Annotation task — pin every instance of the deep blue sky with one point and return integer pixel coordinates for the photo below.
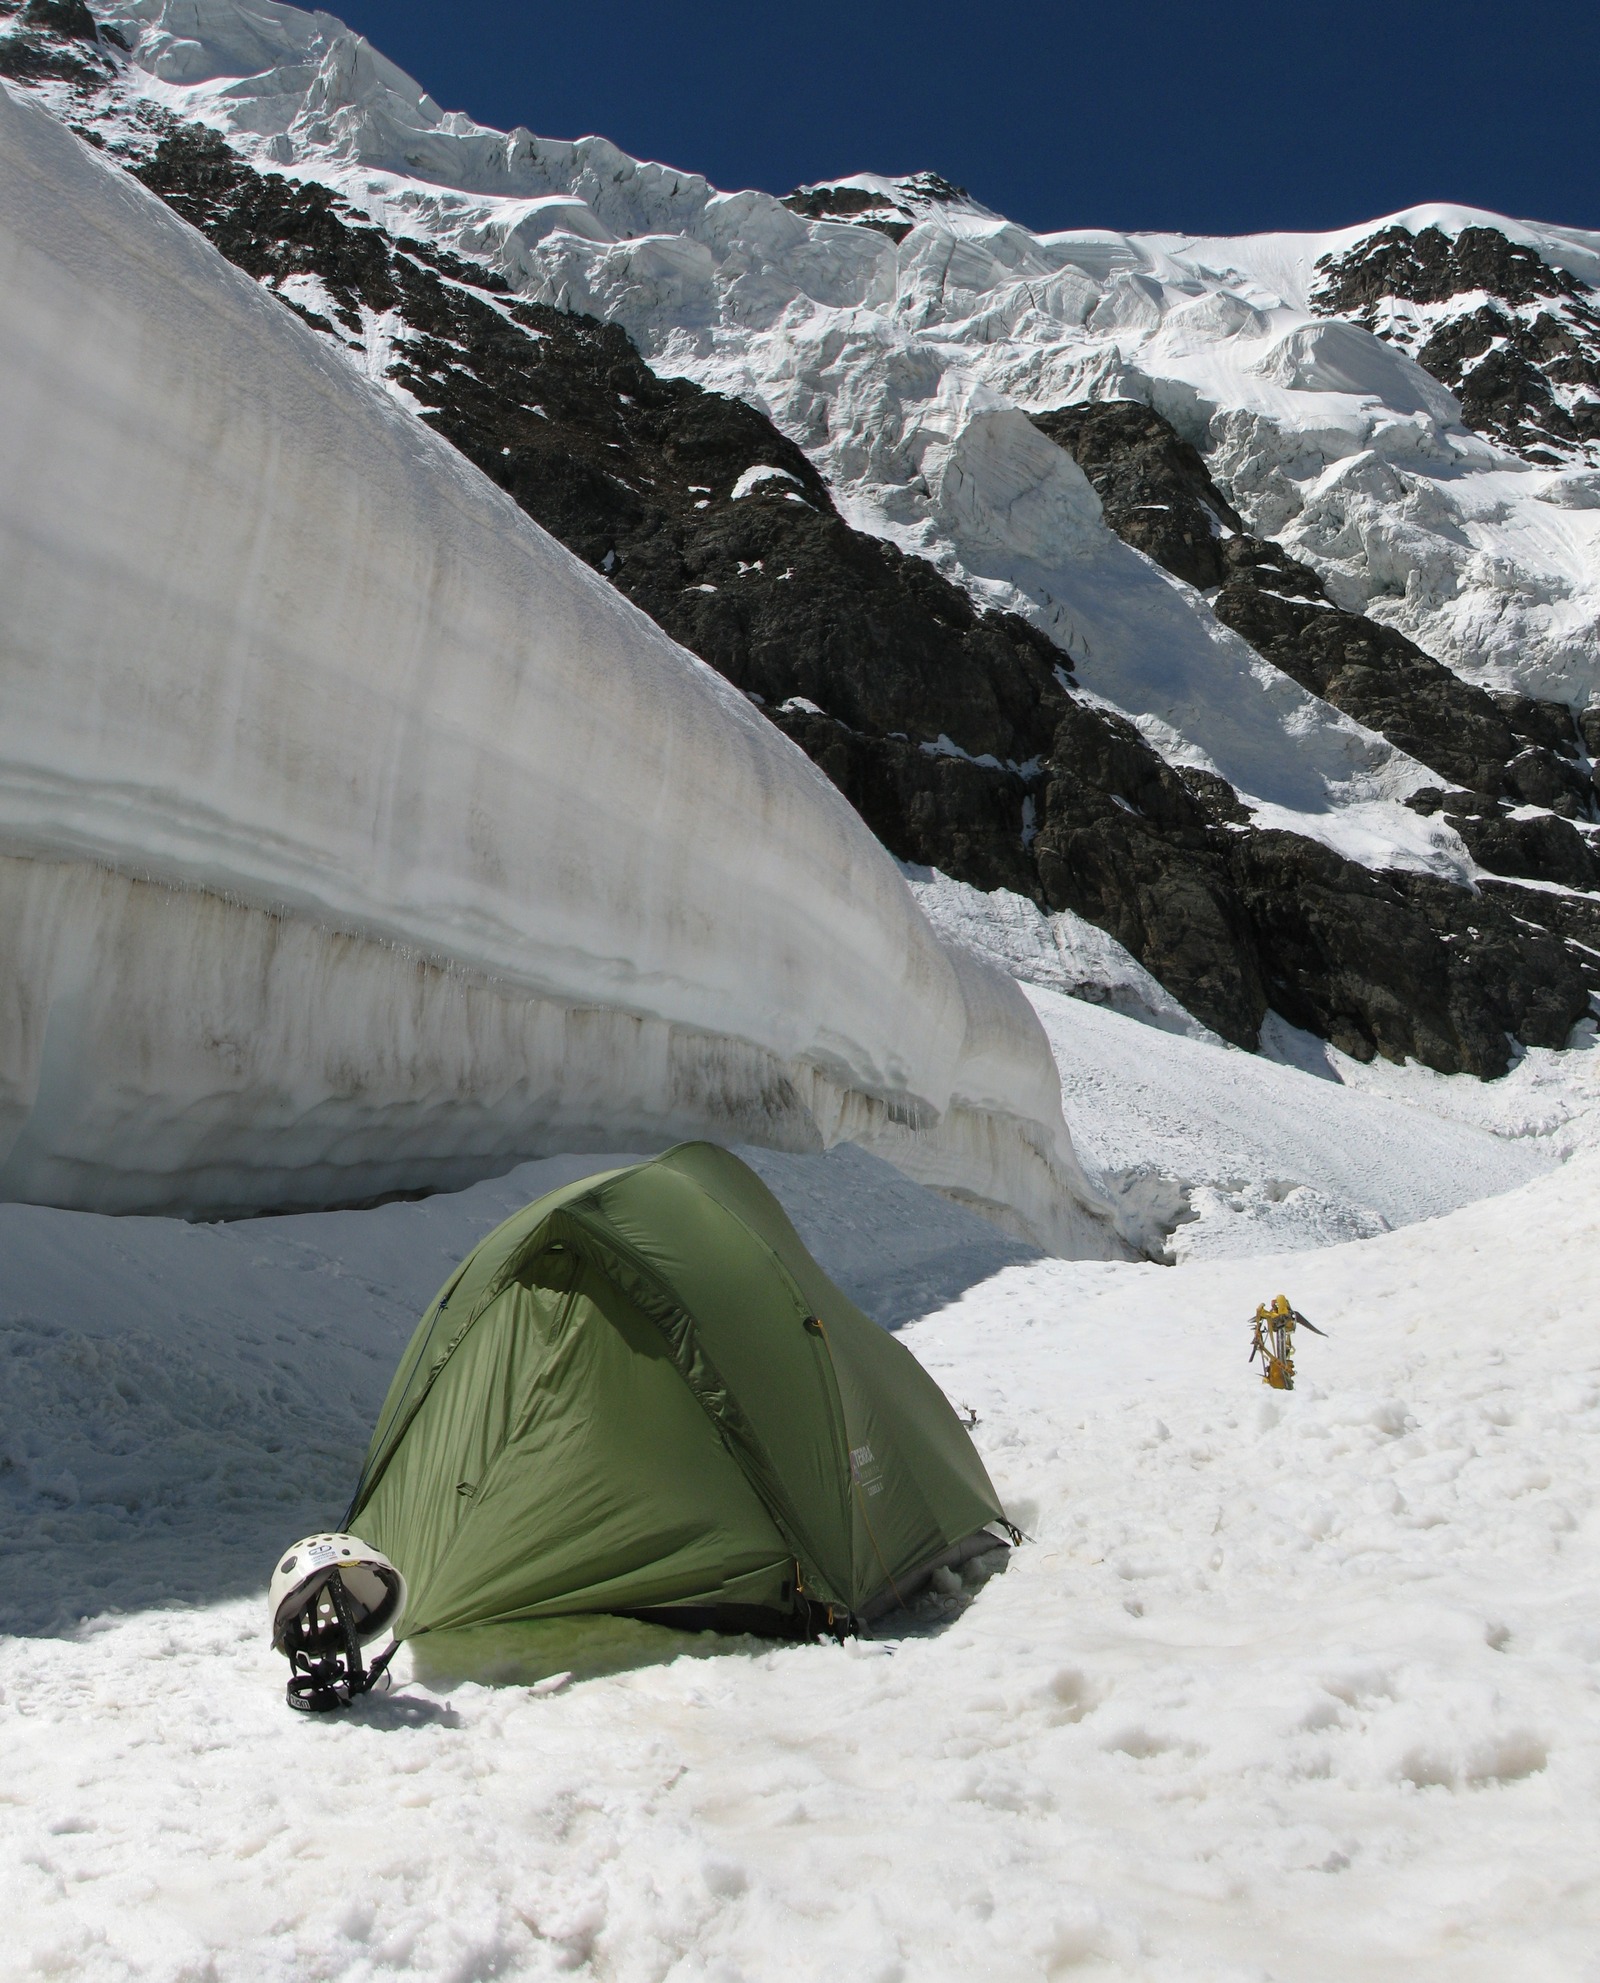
(1204, 118)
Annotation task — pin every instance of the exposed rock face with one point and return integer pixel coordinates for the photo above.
(1388, 962)
(852, 203)
(1506, 374)
(1525, 363)
(1128, 844)
(892, 213)
(1541, 848)
(1371, 671)
(1502, 750)
(1405, 962)
(972, 821)
(953, 731)
(1433, 266)
(54, 40)
(1234, 921)
(1156, 490)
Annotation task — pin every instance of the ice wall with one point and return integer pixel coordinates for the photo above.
(355, 837)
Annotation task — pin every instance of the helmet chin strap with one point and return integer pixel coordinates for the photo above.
(327, 1672)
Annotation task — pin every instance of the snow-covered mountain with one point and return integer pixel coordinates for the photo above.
(868, 316)
(1390, 651)
(1208, 629)
(1240, 599)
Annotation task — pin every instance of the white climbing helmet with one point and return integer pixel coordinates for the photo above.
(375, 1588)
(330, 1594)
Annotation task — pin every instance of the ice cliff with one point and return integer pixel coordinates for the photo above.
(355, 838)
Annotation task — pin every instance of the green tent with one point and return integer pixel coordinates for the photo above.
(642, 1395)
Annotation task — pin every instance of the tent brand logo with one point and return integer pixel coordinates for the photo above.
(864, 1470)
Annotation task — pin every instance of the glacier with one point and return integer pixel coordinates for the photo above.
(356, 839)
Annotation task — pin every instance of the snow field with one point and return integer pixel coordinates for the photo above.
(1282, 1686)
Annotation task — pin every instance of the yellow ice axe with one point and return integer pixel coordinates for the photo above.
(1275, 1324)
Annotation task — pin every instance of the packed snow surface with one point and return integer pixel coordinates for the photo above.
(907, 369)
(1280, 1685)
(1233, 1153)
(355, 836)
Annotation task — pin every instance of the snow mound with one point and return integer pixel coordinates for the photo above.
(355, 837)
(1342, 358)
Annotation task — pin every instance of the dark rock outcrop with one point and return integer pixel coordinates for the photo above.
(54, 41)
(1525, 364)
(1154, 486)
(1126, 842)
(865, 206)
(1505, 371)
(970, 820)
(851, 203)
(1372, 672)
(1432, 266)
(1400, 963)
(1541, 848)
(1158, 494)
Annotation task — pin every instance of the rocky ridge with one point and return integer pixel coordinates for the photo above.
(889, 207)
(1521, 347)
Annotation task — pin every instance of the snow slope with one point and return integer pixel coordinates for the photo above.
(177, 1394)
(1213, 1152)
(355, 837)
(1293, 1685)
(907, 367)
